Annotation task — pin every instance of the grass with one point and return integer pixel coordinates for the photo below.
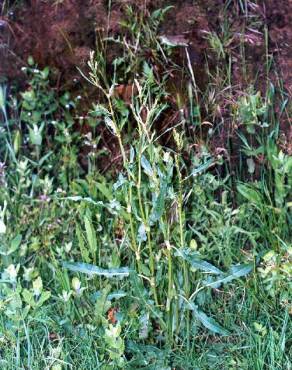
(181, 258)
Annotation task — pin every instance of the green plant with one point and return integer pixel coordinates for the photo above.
(176, 258)
(251, 109)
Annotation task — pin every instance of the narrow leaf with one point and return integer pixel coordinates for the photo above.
(89, 269)
(234, 273)
(196, 262)
(83, 249)
(209, 322)
(90, 234)
(146, 166)
(159, 205)
(114, 295)
(203, 167)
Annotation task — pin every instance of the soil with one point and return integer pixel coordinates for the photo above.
(279, 21)
(62, 33)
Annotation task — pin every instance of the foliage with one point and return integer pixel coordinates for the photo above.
(173, 262)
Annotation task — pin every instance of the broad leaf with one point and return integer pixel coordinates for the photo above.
(250, 194)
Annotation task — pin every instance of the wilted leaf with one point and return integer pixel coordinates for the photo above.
(175, 40)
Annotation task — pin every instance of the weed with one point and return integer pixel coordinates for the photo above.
(173, 261)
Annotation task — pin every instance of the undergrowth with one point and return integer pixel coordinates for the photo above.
(181, 259)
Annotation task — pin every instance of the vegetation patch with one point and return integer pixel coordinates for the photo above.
(145, 203)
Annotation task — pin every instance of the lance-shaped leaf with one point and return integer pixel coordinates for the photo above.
(114, 295)
(159, 204)
(91, 270)
(91, 236)
(203, 167)
(194, 260)
(146, 166)
(235, 272)
(209, 322)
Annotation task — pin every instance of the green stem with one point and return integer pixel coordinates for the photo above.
(151, 255)
(182, 244)
(170, 290)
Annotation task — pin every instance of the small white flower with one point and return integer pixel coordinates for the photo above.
(28, 272)
(2, 227)
(76, 284)
(12, 272)
(166, 157)
(68, 247)
(66, 295)
(37, 286)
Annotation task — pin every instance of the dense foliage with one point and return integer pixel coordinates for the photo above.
(178, 259)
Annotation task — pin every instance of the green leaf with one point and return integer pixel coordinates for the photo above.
(250, 165)
(235, 272)
(43, 298)
(91, 236)
(159, 204)
(105, 190)
(86, 268)
(15, 243)
(250, 194)
(204, 266)
(209, 322)
(197, 263)
(148, 72)
(83, 249)
(35, 135)
(28, 297)
(114, 295)
(78, 198)
(203, 167)
(142, 236)
(146, 166)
